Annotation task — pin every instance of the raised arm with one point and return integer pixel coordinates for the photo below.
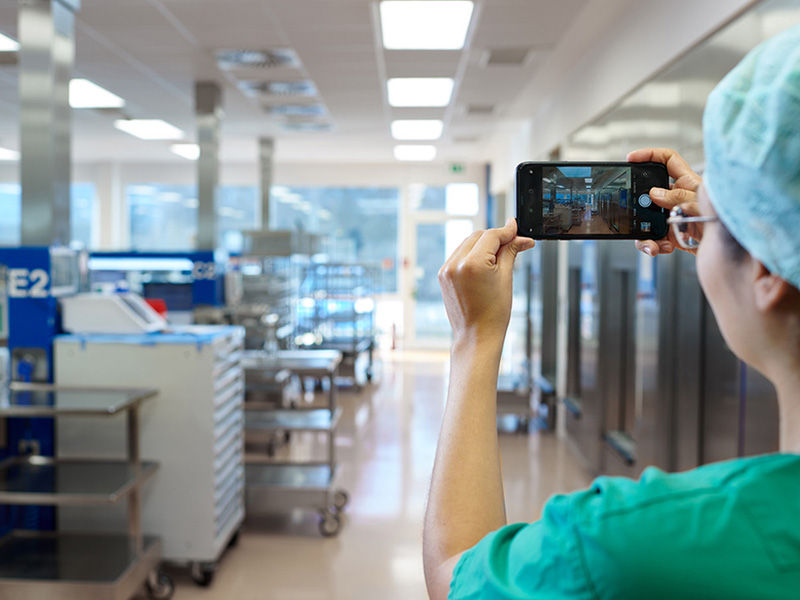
(466, 496)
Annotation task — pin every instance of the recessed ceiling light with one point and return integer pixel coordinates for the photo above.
(425, 25)
(417, 129)
(149, 129)
(187, 151)
(7, 44)
(415, 152)
(86, 94)
(6, 154)
(420, 91)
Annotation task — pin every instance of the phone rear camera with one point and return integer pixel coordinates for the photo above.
(531, 190)
(645, 173)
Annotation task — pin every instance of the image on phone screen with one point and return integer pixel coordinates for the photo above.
(563, 201)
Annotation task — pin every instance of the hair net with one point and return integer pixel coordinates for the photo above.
(751, 130)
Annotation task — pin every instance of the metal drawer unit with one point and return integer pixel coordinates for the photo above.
(79, 564)
(195, 432)
(273, 485)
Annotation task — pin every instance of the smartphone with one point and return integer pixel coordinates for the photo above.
(592, 200)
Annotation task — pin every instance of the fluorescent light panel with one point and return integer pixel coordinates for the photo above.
(187, 151)
(425, 25)
(87, 94)
(414, 152)
(420, 91)
(149, 129)
(8, 44)
(6, 154)
(417, 129)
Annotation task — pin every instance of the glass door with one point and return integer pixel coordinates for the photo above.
(439, 218)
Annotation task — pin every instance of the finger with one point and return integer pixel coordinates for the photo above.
(677, 167)
(665, 247)
(670, 198)
(508, 252)
(649, 247)
(464, 247)
(491, 240)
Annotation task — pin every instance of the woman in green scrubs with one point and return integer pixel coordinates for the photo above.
(729, 530)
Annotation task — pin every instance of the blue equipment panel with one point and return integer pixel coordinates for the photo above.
(35, 278)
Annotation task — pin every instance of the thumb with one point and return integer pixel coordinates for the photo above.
(508, 252)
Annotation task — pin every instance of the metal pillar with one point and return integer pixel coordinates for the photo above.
(266, 153)
(47, 53)
(208, 106)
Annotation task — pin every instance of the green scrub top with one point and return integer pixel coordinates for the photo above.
(728, 530)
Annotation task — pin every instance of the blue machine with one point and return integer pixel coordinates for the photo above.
(185, 280)
(35, 277)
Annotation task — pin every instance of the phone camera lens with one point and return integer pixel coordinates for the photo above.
(531, 190)
(530, 171)
(645, 174)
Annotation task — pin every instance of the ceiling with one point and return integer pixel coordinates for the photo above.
(151, 52)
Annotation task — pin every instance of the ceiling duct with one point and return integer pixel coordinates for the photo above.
(506, 57)
(257, 59)
(304, 88)
(480, 110)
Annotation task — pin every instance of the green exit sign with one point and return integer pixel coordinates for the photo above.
(456, 168)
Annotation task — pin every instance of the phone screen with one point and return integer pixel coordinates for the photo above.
(590, 200)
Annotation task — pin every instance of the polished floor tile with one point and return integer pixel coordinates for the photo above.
(385, 448)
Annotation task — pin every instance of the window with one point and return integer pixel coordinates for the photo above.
(164, 217)
(360, 224)
(82, 209)
(458, 199)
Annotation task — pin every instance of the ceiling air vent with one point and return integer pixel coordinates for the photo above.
(506, 57)
(296, 110)
(257, 59)
(278, 88)
(306, 126)
(466, 139)
(480, 110)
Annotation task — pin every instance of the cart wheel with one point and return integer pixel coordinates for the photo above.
(234, 541)
(329, 523)
(523, 425)
(340, 499)
(162, 588)
(203, 573)
(369, 376)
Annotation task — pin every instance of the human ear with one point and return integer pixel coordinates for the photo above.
(770, 290)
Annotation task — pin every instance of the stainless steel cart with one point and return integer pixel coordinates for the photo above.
(284, 485)
(74, 565)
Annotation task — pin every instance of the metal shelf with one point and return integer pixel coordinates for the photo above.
(47, 481)
(290, 477)
(74, 565)
(318, 420)
(46, 400)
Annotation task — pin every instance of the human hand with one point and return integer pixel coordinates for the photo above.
(476, 283)
(683, 192)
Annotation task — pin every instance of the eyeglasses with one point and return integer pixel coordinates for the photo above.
(688, 229)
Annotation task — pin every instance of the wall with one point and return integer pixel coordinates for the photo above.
(611, 48)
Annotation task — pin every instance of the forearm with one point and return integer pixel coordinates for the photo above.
(466, 496)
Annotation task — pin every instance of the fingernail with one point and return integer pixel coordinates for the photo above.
(658, 193)
(648, 251)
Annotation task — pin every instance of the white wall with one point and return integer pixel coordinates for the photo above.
(611, 48)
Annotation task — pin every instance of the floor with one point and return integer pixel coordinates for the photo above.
(386, 448)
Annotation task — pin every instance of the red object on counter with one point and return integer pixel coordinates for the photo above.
(158, 305)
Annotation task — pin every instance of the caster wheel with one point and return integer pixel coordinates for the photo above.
(329, 523)
(234, 541)
(287, 437)
(340, 499)
(161, 588)
(203, 573)
(369, 377)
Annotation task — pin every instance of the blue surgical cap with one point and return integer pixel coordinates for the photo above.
(751, 130)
